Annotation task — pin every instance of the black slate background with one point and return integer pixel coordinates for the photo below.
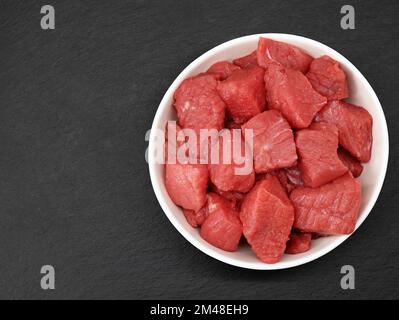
(75, 104)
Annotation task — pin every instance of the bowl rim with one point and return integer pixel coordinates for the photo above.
(214, 252)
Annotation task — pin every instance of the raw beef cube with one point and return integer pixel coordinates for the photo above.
(247, 61)
(285, 54)
(350, 162)
(198, 103)
(354, 124)
(273, 141)
(290, 92)
(195, 219)
(214, 202)
(244, 93)
(231, 173)
(267, 216)
(298, 243)
(222, 69)
(187, 184)
(328, 79)
(330, 209)
(317, 151)
(222, 227)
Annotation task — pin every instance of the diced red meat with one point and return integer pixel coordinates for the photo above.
(238, 174)
(290, 92)
(273, 141)
(222, 69)
(213, 203)
(267, 216)
(298, 243)
(247, 61)
(187, 184)
(244, 93)
(354, 124)
(198, 103)
(350, 162)
(289, 188)
(317, 150)
(328, 79)
(287, 55)
(195, 219)
(330, 209)
(222, 227)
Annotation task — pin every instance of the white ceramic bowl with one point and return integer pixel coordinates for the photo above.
(371, 179)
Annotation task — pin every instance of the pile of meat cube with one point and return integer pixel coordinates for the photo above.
(308, 146)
